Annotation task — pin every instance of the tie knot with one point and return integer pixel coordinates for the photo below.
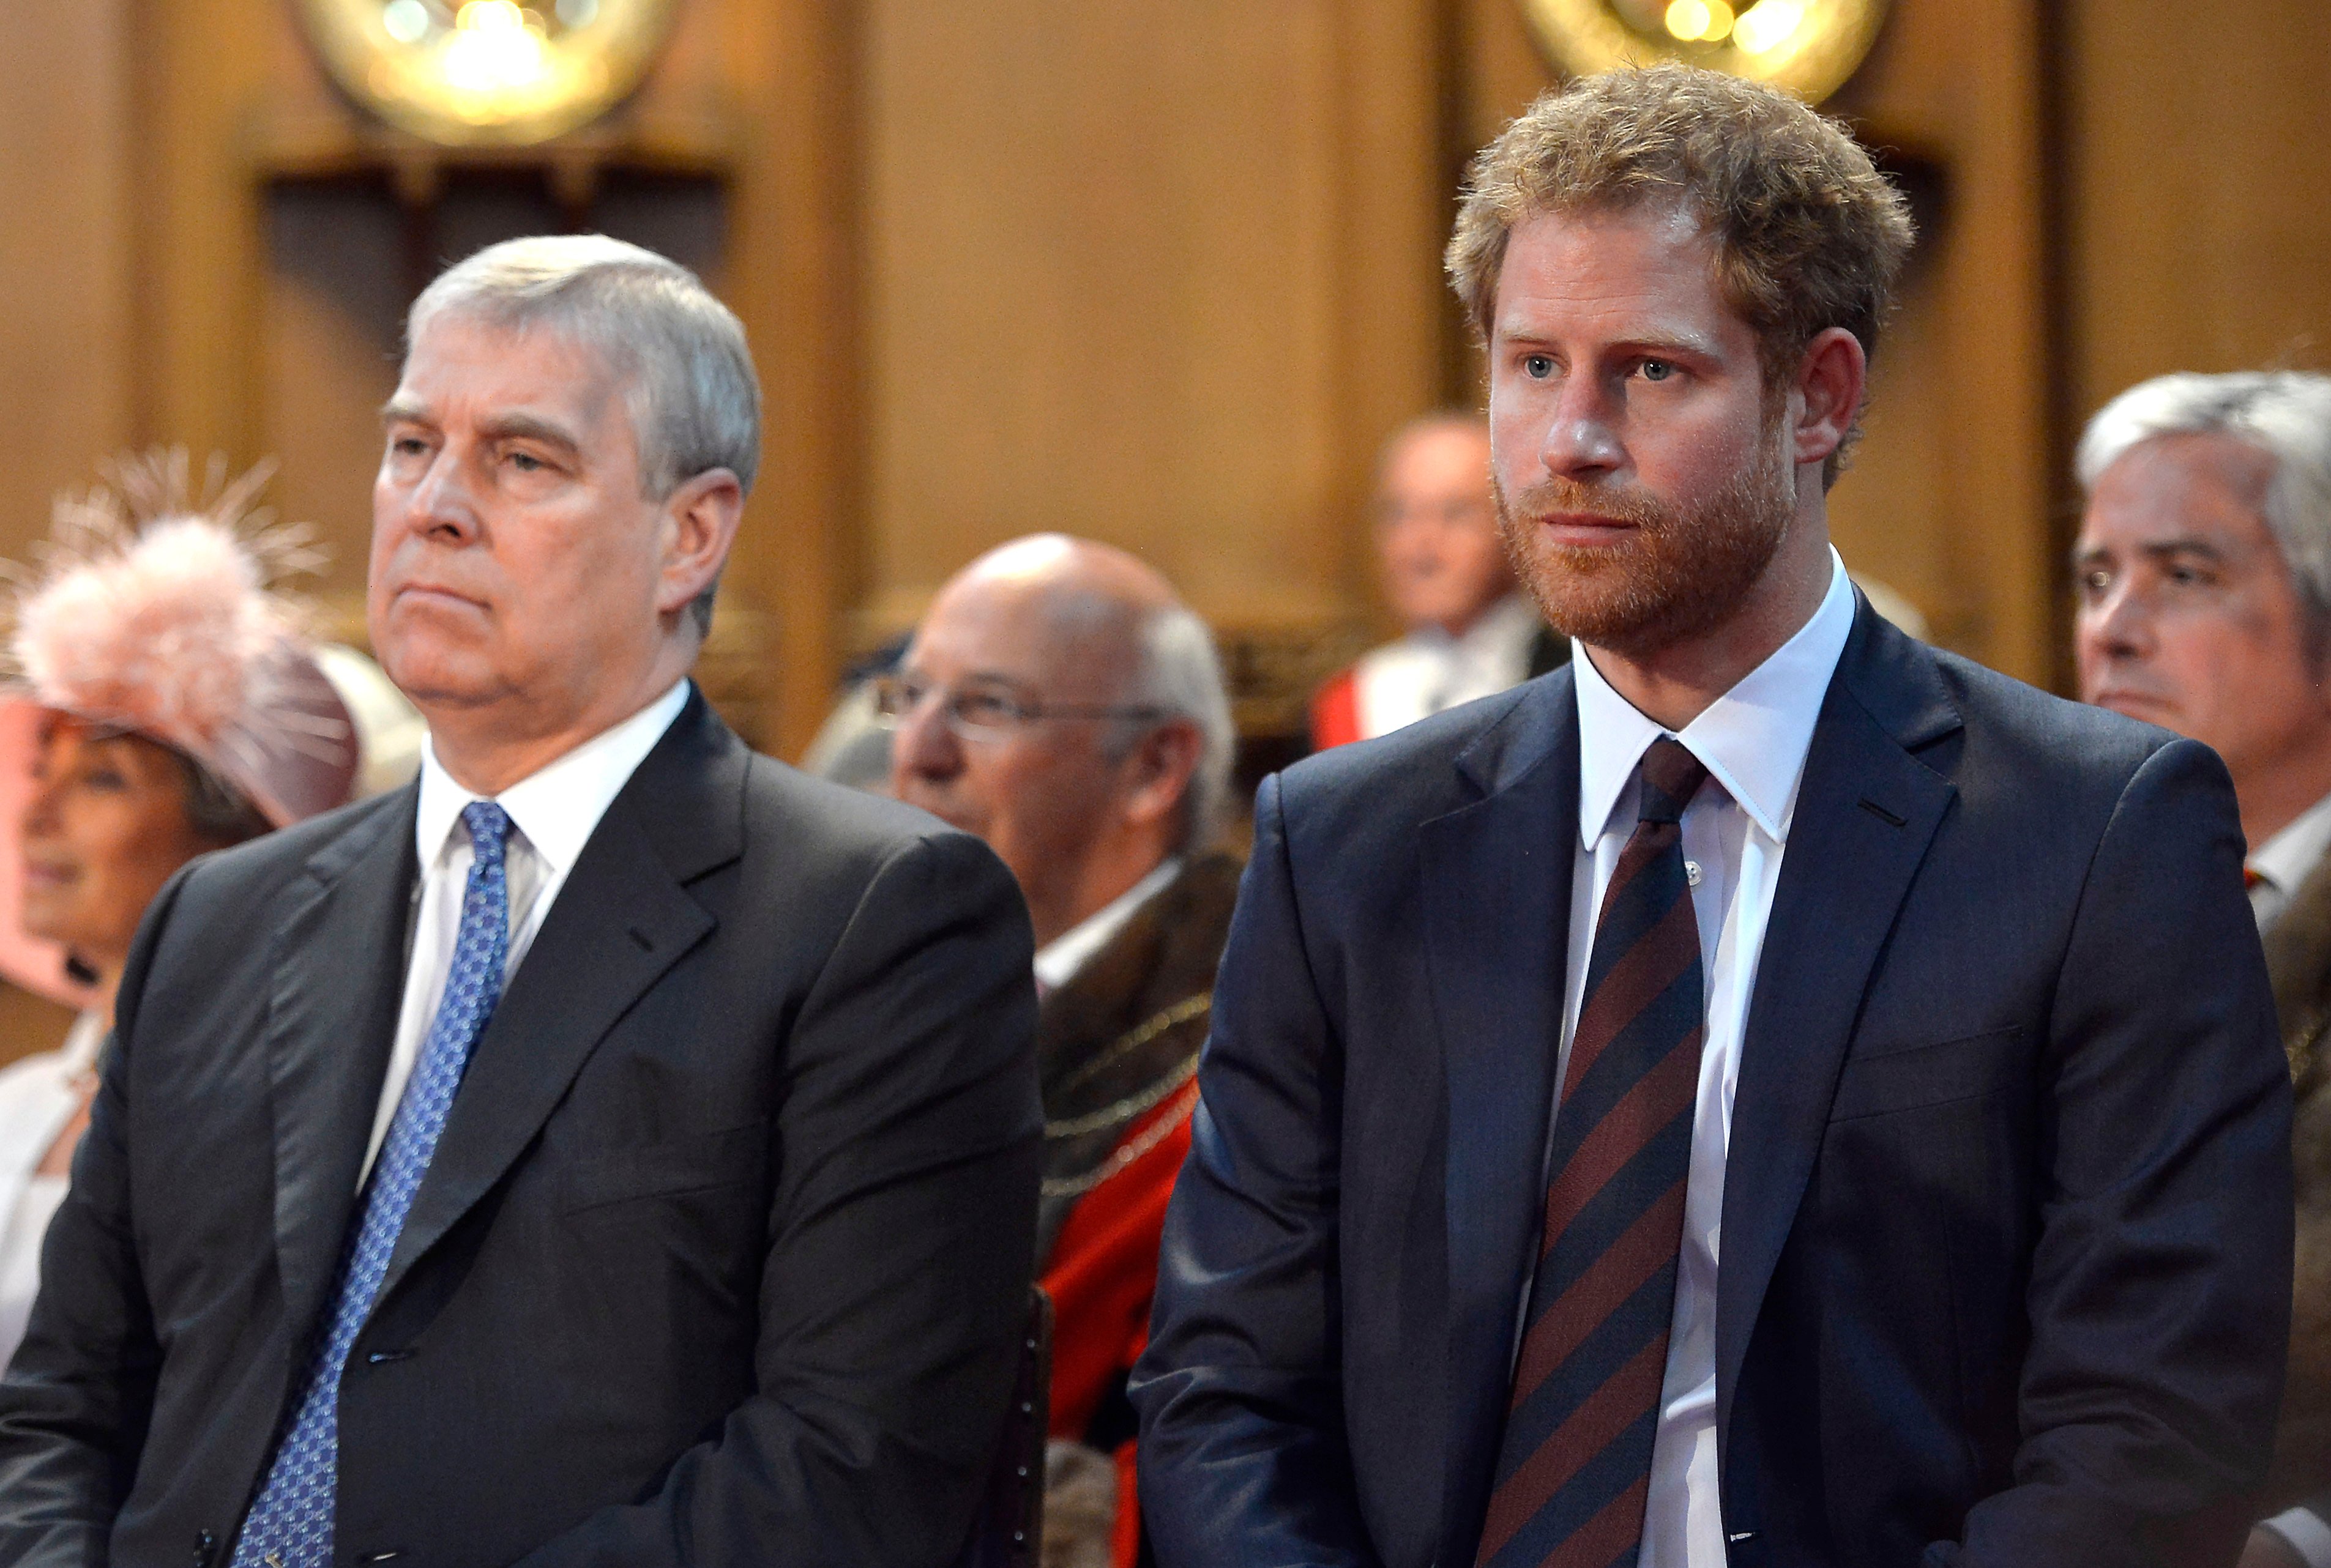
(488, 826)
(1671, 775)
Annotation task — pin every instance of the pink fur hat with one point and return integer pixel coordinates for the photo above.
(153, 612)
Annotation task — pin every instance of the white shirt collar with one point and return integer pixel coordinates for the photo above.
(1057, 961)
(1752, 739)
(558, 806)
(2287, 857)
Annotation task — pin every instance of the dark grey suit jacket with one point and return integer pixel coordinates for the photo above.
(2006, 1231)
(721, 1258)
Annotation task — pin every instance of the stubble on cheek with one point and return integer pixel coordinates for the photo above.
(1670, 575)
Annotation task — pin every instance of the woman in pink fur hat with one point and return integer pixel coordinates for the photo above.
(164, 705)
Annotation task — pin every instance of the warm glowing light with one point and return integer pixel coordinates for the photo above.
(407, 21)
(1806, 48)
(1699, 20)
(490, 15)
(495, 48)
(494, 73)
(1767, 24)
(1687, 19)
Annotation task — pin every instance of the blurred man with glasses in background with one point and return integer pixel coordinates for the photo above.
(1061, 702)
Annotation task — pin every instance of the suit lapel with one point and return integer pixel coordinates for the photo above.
(328, 1039)
(1497, 902)
(622, 918)
(1866, 813)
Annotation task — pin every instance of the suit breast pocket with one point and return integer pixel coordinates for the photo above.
(671, 1168)
(1916, 1076)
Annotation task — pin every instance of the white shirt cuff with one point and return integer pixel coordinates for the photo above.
(2308, 1535)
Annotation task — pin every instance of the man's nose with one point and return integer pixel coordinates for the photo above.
(441, 505)
(923, 746)
(2122, 620)
(2118, 624)
(1582, 440)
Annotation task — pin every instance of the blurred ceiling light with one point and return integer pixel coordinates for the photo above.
(1766, 25)
(496, 50)
(1699, 20)
(1687, 19)
(407, 21)
(1807, 47)
(488, 72)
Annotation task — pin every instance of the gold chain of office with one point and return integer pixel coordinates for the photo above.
(1132, 1106)
(1073, 1186)
(1125, 1045)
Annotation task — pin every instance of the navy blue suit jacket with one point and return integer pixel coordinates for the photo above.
(2006, 1238)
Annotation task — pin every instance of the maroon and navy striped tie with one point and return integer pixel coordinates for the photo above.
(1576, 1462)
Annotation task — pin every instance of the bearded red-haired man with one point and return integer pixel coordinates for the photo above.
(1769, 1093)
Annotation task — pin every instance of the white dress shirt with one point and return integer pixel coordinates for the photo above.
(2286, 859)
(1753, 740)
(553, 812)
(1428, 669)
(1057, 961)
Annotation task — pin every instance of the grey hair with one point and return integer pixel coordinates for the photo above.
(694, 399)
(1177, 670)
(2285, 414)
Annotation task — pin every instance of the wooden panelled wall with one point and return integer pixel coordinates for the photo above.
(1162, 271)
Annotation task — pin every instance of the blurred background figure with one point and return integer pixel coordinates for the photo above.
(1062, 703)
(167, 706)
(1471, 631)
(2203, 567)
(852, 746)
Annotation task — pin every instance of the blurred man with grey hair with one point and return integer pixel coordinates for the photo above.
(2204, 579)
(1062, 703)
(613, 1149)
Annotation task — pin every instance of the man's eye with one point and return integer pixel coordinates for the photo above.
(1657, 370)
(984, 707)
(1538, 367)
(2096, 582)
(526, 462)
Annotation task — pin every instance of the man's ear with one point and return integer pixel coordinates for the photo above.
(700, 524)
(1831, 380)
(1159, 770)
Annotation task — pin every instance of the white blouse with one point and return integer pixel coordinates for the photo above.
(40, 1095)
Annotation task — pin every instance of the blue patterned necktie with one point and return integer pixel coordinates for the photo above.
(290, 1524)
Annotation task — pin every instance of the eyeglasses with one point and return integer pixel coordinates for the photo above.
(988, 710)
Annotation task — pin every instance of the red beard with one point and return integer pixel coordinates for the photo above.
(1676, 574)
